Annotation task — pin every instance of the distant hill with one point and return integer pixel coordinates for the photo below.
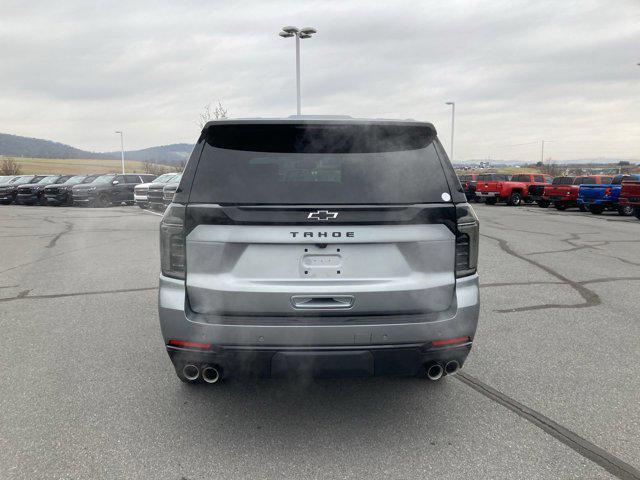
(17, 146)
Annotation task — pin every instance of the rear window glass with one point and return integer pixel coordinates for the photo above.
(585, 181)
(563, 181)
(493, 177)
(618, 179)
(522, 178)
(316, 164)
(606, 180)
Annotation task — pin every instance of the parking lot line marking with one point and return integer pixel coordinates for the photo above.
(153, 213)
(584, 447)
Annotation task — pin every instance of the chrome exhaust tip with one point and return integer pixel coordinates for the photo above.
(434, 371)
(451, 367)
(210, 374)
(191, 372)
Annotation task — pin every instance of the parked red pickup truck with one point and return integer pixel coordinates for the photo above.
(514, 191)
(630, 195)
(563, 192)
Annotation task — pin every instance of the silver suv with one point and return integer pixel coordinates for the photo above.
(318, 246)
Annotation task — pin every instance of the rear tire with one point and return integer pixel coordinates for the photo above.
(491, 201)
(560, 206)
(596, 209)
(625, 210)
(582, 208)
(514, 200)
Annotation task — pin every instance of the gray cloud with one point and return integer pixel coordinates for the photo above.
(519, 71)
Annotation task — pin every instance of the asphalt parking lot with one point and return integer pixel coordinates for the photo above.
(88, 390)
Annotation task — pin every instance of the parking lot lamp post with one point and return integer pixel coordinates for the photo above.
(453, 121)
(121, 149)
(300, 34)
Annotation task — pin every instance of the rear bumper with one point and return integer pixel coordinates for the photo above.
(633, 201)
(352, 362)
(395, 344)
(488, 194)
(56, 199)
(597, 201)
(561, 198)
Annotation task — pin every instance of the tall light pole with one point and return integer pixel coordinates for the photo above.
(121, 149)
(453, 121)
(299, 33)
(542, 149)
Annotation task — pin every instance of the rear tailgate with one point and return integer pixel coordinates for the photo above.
(489, 187)
(630, 193)
(299, 269)
(560, 192)
(295, 220)
(591, 193)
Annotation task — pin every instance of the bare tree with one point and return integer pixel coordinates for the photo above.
(155, 169)
(10, 167)
(218, 112)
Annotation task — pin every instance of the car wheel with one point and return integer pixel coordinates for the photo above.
(544, 203)
(596, 209)
(582, 208)
(625, 210)
(636, 212)
(491, 201)
(515, 199)
(560, 206)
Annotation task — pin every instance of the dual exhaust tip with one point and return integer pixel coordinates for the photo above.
(435, 371)
(212, 373)
(208, 373)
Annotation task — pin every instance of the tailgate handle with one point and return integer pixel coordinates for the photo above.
(322, 302)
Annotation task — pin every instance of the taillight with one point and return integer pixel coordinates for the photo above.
(172, 242)
(467, 238)
(187, 344)
(450, 341)
(607, 192)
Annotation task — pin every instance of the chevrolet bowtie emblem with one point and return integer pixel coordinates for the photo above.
(322, 215)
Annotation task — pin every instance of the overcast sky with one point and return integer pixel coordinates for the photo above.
(519, 71)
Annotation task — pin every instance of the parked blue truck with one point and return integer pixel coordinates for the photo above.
(598, 198)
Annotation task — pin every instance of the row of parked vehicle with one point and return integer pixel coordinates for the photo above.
(593, 193)
(96, 190)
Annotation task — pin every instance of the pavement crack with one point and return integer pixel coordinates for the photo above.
(591, 298)
(68, 227)
(581, 445)
(24, 295)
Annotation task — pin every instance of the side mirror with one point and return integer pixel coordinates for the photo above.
(115, 182)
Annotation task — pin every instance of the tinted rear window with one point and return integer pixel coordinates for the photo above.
(585, 181)
(563, 181)
(493, 177)
(522, 178)
(319, 164)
